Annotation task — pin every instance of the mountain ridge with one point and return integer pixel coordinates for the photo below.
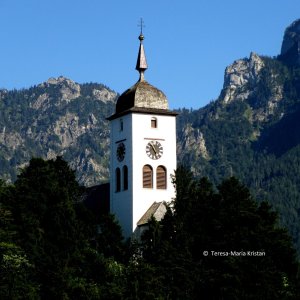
(57, 117)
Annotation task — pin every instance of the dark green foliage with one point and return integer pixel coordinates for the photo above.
(50, 247)
(222, 221)
(16, 269)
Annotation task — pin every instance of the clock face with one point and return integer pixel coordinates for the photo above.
(154, 149)
(121, 152)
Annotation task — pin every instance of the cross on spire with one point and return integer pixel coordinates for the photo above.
(141, 25)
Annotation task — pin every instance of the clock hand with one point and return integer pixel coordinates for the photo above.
(153, 147)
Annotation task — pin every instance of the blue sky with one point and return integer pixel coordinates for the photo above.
(188, 43)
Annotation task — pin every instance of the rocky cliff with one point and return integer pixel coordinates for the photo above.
(267, 89)
(240, 78)
(290, 49)
(57, 117)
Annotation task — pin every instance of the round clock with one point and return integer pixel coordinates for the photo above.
(121, 152)
(154, 149)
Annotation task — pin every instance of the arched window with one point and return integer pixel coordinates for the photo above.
(147, 176)
(125, 178)
(153, 123)
(118, 180)
(161, 177)
(121, 125)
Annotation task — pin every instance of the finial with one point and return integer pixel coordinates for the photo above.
(141, 38)
(141, 64)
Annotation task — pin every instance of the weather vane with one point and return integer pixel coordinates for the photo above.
(142, 25)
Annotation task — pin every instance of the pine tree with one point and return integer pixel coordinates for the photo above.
(210, 241)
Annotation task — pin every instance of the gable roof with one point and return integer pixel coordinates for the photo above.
(157, 210)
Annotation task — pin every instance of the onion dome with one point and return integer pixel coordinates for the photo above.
(142, 96)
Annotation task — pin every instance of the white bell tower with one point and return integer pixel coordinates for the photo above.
(143, 150)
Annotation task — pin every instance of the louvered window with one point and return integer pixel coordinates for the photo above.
(161, 177)
(118, 180)
(147, 177)
(125, 178)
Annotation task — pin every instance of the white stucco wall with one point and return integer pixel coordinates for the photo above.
(129, 206)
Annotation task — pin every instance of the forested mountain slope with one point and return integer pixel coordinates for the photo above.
(57, 117)
(252, 130)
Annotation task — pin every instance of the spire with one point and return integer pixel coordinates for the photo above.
(141, 64)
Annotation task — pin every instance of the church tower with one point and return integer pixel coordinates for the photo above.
(143, 150)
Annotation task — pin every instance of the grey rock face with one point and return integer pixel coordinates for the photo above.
(291, 36)
(104, 95)
(290, 49)
(68, 88)
(11, 139)
(42, 101)
(193, 139)
(239, 76)
(241, 83)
